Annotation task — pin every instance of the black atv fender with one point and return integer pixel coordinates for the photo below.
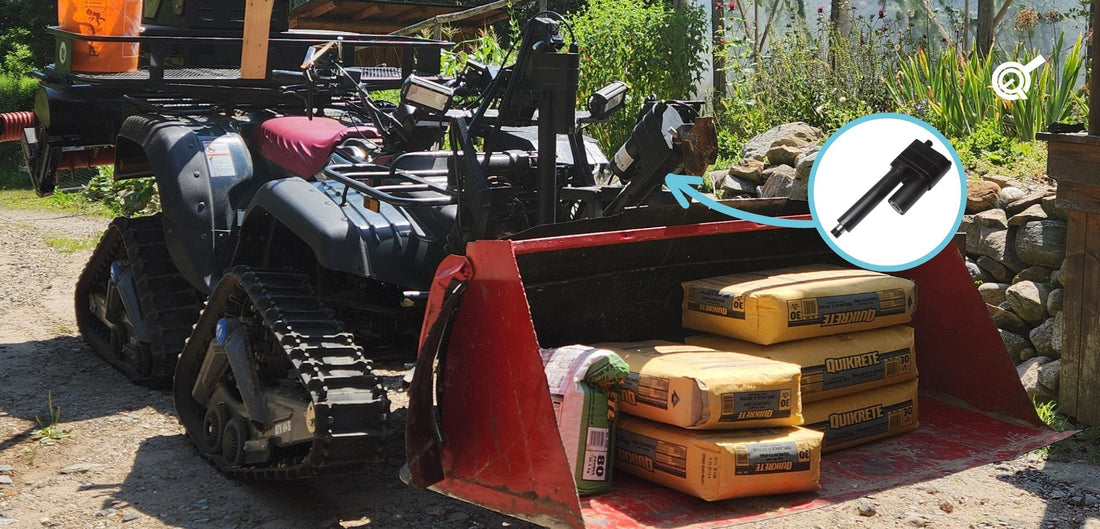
(201, 169)
(387, 245)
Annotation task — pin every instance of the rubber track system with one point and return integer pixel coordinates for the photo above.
(169, 304)
(349, 402)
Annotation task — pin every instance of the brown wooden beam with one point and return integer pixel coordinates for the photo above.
(367, 11)
(454, 17)
(257, 29)
(355, 26)
(315, 8)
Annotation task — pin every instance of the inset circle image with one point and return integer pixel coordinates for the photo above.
(888, 192)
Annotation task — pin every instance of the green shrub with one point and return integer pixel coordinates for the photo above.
(652, 47)
(825, 78)
(125, 197)
(486, 48)
(17, 92)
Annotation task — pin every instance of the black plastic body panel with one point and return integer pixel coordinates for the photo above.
(389, 246)
(203, 172)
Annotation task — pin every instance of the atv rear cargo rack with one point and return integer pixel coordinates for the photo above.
(159, 43)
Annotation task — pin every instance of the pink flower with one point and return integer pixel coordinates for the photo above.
(820, 9)
(882, 13)
(732, 5)
(718, 6)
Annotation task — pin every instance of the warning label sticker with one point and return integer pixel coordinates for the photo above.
(219, 157)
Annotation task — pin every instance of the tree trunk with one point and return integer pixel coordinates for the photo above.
(840, 16)
(984, 42)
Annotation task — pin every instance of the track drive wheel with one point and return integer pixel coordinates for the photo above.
(270, 387)
(132, 305)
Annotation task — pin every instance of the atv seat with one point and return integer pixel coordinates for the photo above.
(302, 145)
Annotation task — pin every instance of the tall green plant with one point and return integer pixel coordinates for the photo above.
(1054, 96)
(652, 47)
(950, 90)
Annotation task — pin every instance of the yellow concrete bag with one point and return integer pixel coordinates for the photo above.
(835, 365)
(700, 388)
(865, 416)
(775, 306)
(718, 465)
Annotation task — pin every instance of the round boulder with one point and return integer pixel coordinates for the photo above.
(1042, 242)
(1028, 300)
(981, 195)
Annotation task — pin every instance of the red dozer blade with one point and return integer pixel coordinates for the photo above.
(491, 438)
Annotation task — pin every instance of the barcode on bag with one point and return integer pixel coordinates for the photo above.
(597, 438)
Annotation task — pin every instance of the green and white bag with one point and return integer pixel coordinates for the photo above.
(580, 379)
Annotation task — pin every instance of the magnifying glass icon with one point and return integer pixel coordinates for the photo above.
(1011, 80)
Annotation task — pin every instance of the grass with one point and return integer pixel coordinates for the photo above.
(50, 431)
(26, 199)
(1029, 164)
(65, 244)
(1083, 446)
(1048, 413)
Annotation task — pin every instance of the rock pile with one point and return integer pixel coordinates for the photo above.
(774, 164)
(1016, 246)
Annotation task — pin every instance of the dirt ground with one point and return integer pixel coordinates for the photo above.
(124, 460)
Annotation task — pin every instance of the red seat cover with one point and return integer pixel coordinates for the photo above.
(299, 144)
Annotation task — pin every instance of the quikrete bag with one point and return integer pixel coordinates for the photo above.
(720, 464)
(865, 416)
(835, 365)
(582, 382)
(700, 388)
(775, 306)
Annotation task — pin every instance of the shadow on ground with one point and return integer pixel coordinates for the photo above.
(63, 372)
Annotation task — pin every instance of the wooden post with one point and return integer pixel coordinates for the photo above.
(1072, 160)
(257, 28)
(1094, 80)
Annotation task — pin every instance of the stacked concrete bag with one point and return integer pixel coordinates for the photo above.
(713, 424)
(842, 326)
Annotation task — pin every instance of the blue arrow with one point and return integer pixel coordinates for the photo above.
(681, 188)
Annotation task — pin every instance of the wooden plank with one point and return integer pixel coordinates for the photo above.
(454, 17)
(366, 12)
(257, 25)
(1073, 161)
(360, 26)
(315, 8)
(1073, 279)
(1072, 137)
(1088, 388)
(1078, 196)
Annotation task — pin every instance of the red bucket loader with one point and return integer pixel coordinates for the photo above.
(491, 437)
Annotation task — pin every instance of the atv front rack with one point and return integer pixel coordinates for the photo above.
(392, 185)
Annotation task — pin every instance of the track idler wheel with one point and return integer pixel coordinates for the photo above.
(213, 427)
(234, 437)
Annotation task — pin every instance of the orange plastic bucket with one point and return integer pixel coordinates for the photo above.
(101, 17)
